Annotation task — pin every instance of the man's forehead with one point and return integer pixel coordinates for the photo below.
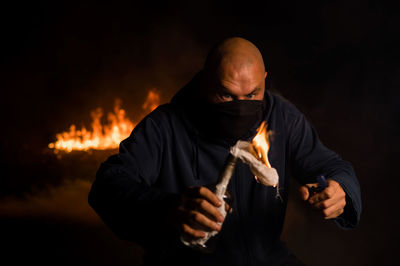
(239, 90)
(245, 75)
(238, 87)
(240, 70)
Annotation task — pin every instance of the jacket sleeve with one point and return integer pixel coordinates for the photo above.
(310, 158)
(123, 193)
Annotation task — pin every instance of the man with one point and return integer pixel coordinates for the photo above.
(159, 187)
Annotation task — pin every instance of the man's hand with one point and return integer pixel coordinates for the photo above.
(197, 213)
(331, 200)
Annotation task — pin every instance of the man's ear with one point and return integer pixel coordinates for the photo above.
(265, 75)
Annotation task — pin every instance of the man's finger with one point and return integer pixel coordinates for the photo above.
(319, 197)
(333, 191)
(203, 192)
(304, 194)
(208, 209)
(325, 203)
(335, 199)
(210, 196)
(200, 221)
(335, 214)
(228, 208)
(333, 211)
(190, 233)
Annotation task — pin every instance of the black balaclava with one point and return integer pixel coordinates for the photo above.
(230, 121)
(226, 121)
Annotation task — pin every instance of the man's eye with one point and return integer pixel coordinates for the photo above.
(226, 96)
(251, 95)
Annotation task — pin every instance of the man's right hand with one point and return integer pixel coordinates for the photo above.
(197, 213)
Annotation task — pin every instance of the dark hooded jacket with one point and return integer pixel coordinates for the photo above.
(167, 152)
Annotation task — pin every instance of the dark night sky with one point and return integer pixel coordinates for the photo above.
(337, 61)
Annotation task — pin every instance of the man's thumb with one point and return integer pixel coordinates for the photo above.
(303, 190)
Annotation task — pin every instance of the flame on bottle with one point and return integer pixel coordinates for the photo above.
(102, 136)
(261, 144)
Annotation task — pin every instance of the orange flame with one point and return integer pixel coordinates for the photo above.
(102, 137)
(261, 144)
(152, 101)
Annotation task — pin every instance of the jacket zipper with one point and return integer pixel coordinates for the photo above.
(195, 159)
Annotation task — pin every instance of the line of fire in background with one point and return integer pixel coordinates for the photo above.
(103, 136)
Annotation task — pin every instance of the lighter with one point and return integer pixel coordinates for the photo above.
(322, 184)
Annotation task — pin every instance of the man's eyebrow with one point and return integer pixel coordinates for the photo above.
(222, 89)
(254, 91)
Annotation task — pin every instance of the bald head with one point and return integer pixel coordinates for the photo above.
(234, 70)
(234, 52)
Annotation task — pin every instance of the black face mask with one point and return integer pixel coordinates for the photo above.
(231, 120)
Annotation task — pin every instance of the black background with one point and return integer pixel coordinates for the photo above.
(337, 61)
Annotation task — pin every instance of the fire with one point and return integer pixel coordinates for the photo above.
(261, 144)
(152, 101)
(102, 136)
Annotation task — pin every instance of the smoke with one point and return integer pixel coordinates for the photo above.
(56, 226)
(67, 201)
